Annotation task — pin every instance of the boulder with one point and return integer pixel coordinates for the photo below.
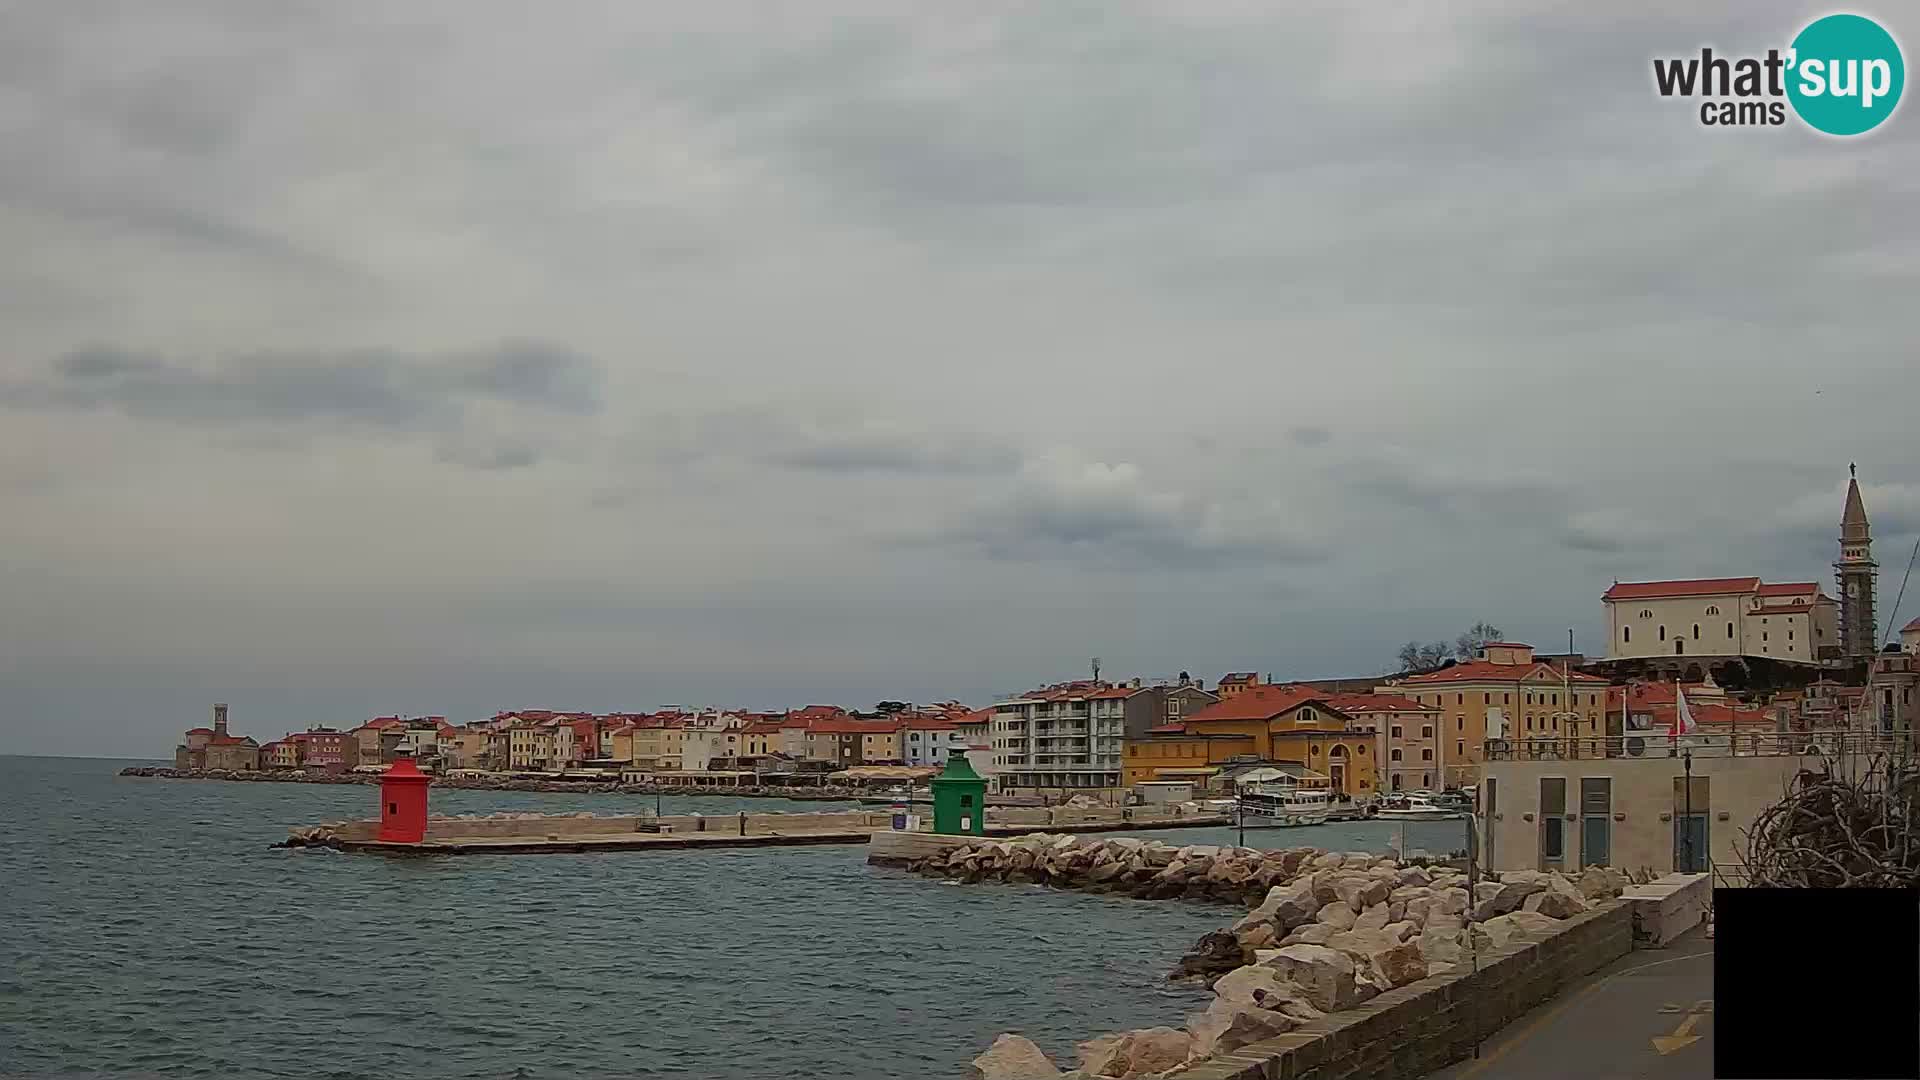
(1601, 882)
(1400, 964)
(1324, 975)
(1374, 918)
(1513, 894)
(1452, 901)
(1257, 936)
(1239, 985)
(1328, 860)
(1337, 915)
(1293, 904)
(1107, 872)
(1407, 894)
(1315, 933)
(1559, 900)
(1136, 1053)
(1533, 925)
(1439, 947)
(1402, 931)
(1215, 954)
(1412, 877)
(1362, 891)
(1227, 1025)
(1012, 1057)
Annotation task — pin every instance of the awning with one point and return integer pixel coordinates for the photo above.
(1194, 771)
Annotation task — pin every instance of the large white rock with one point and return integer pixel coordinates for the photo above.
(1228, 1025)
(1337, 915)
(1440, 946)
(1013, 1057)
(1601, 882)
(1315, 933)
(1561, 899)
(1374, 918)
(1326, 975)
(1262, 986)
(1136, 1053)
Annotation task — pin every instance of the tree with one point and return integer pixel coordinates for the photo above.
(1417, 657)
(888, 708)
(1468, 645)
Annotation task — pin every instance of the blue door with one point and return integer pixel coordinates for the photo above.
(1690, 843)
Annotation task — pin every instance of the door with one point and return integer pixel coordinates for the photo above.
(1593, 841)
(1690, 843)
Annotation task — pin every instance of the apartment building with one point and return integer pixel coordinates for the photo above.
(1061, 738)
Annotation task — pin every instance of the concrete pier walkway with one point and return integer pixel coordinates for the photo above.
(1646, 1016)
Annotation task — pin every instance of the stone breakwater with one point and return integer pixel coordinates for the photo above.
(826, 793)
(1327, 932)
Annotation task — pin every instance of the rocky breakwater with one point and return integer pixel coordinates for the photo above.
(1147, 869)
(1329, 932)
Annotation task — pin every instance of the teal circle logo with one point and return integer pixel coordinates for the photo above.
(1845, 74)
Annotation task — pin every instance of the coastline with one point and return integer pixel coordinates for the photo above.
(489, 783)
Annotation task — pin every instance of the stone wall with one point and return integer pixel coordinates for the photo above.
(540, 826)
(1424, 1026)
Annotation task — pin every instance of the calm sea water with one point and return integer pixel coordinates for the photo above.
(147, 928)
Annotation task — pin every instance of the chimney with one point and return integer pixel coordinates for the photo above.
(220, 718)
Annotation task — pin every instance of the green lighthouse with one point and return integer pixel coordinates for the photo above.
(959, 798)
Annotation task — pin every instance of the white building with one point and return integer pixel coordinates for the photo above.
(1061, 738)
(1720, 617)
(926, 740)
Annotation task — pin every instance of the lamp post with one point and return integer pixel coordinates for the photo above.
(1686, 802)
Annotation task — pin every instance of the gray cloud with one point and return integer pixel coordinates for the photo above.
(376, 388)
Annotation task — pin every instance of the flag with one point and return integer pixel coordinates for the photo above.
(1682, 716)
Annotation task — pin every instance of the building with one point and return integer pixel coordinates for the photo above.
(1540, 810)
(1715, 618)
(280, 754)
(320, 748)
(1406, 737)
(1893, 688)
(216, 747)
(1062, 738)
(1504, 695)
(929, 740)
(851, 742)
(1910, 637)
(1234, 682)
(1855, 573)
(1265, 724)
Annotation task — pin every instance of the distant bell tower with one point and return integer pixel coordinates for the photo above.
(220, 718)
(1855, 573)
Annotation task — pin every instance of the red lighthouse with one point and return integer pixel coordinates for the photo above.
(403, 803)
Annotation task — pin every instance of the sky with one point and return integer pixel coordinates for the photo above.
(449, 357)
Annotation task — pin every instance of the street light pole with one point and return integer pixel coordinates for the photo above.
(1686, 825)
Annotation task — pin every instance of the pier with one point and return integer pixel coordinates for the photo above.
(530, 834)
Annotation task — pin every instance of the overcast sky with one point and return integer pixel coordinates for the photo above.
(446, 357)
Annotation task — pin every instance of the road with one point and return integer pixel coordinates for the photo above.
(1647, 1016)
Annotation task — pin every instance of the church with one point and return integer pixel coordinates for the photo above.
(1749, 634)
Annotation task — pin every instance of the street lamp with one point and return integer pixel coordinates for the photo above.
(1686, 802)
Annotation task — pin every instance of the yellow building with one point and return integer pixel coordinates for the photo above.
(1263, 723)
(1508, 695)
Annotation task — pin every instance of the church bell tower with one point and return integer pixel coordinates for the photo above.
(1855, 574)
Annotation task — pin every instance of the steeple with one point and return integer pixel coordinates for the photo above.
(1855, 573)
(1853, 522)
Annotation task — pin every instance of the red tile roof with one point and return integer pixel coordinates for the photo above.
(1260, 702)
(854, 727)
(209, 731)
(1175, 728)
(929, 723)
(1488, 671)
(1789, 588)
(1655, 590)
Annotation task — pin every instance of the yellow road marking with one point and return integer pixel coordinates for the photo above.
(1682, 1036)
(1561, 1006)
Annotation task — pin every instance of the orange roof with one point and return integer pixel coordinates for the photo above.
(930, 723)
(982, 716)
(763, 727)
(1260, 703)
(1655, 590)
(1488, 671)
(209, 731)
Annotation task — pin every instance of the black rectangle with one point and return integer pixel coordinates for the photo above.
(1816, 983)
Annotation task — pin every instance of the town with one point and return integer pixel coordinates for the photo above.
(1708, 696)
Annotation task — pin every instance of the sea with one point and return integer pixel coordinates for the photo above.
(149, 928)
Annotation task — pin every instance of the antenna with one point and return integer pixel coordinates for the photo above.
(1096, 669)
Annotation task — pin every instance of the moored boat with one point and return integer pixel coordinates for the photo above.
(1271, 806)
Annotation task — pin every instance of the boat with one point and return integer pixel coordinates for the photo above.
(1265, 805)
(1414, 808)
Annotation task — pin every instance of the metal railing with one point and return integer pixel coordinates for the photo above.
(1831, 743)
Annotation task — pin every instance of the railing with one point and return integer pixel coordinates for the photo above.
(1700, 744)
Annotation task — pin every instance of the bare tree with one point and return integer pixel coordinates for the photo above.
(1468, 645)
(1414, 656)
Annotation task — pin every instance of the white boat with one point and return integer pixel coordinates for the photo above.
(1271, 806)
(1413, 808)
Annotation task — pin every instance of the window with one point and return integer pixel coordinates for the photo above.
(1426, 731)
(1663, 633)
(1789, 635)
(1396, 731)
(1763, 635)
(1426, 780)
(1486, 699)
(1363, 750)
(1696, 631)
(1626, 633)
(1646, 613)
(1426, 754)
(1393, 754)
(1713, 609)
(1459, 748)
(1459, 699)
(1506, 699)
(1596, 810)
(1729, 631)
(1529, 721)
(1459, 723)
